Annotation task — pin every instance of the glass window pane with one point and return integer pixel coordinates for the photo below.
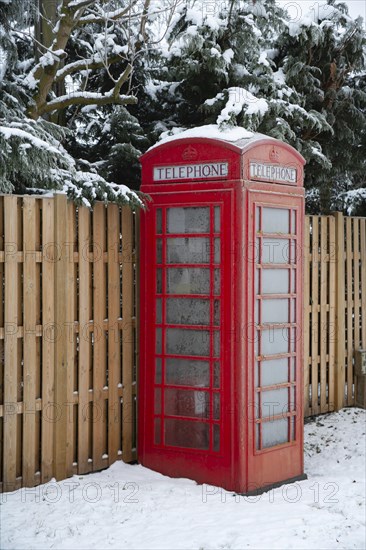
(187, 403)
(159, 281)
(275, 281)
(188, 220)
(293, 428)
(275, 220)
(157, 401)
(216, 406)
(274, 371)
(275, 251)
(217, 251)
(293, 311)
(183, 433)
(158, 370)
(217, 312)
(274, 402)
(188, 280)
(293, 280)
(185, 311)
(180, 341)
(217, 282)
(217, 219)
(216, 375)
(293, 222)
(158, 311)
(274, 341)
(157, 431)
(257, 218)
(159, 251)
(190, 250)
(158, 221)
(293, 369)
(216, 344)
(216, 437)
(274, 432)
(275, 311)
(257, 436)
(187, 372)
(158, 340)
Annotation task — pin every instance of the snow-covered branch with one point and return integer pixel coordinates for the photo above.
(90, 98)
(85, 64)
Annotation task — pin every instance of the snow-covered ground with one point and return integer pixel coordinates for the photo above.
(133, 507)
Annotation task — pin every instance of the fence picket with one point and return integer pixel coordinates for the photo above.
(29, 324)
(49, 413)
(10, 341)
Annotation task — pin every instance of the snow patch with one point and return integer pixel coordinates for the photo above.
(238, 99)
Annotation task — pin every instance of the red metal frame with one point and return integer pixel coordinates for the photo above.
(238, 465)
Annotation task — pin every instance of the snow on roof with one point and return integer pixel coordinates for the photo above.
(212, 131)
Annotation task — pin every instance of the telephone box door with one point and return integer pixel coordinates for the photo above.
(275, 364)
(187, 308)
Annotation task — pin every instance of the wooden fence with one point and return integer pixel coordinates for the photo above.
(68, 287)
(68, 280)
(335, 309)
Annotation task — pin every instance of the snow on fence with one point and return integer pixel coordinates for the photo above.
(335, 309)
(68, 281)
(68, 298)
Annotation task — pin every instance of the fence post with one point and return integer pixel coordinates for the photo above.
(61, 292)
(340, 349)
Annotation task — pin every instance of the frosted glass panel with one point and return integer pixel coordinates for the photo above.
(275, 281)
(159, 281)
(159, 251)
(217, 219)
(274, 341)
(275, 251)
(217, 282)
(157, 431)
(216, 376)
(274, 371)
(274, 433)
(187, 403)
(216, 344)
(180, 341)
(293, 280)
(216, 433)
(183, 433)
(157, 401)
(216, 406)
(188, 220)
(275, 311)
(158, 311)
(158, 221)
(187, 372)
(190, 250)
(158, 340)
(188, 280)
(217, 251)
(275, 220)
(274, 402)
(158, 370)
(182, 311)
(216, 312)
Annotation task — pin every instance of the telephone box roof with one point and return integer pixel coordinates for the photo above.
(235, 138)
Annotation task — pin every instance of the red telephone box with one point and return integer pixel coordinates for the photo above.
(220, 384)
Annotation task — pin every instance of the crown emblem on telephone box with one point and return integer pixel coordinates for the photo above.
(190, 153)
(274, 155)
